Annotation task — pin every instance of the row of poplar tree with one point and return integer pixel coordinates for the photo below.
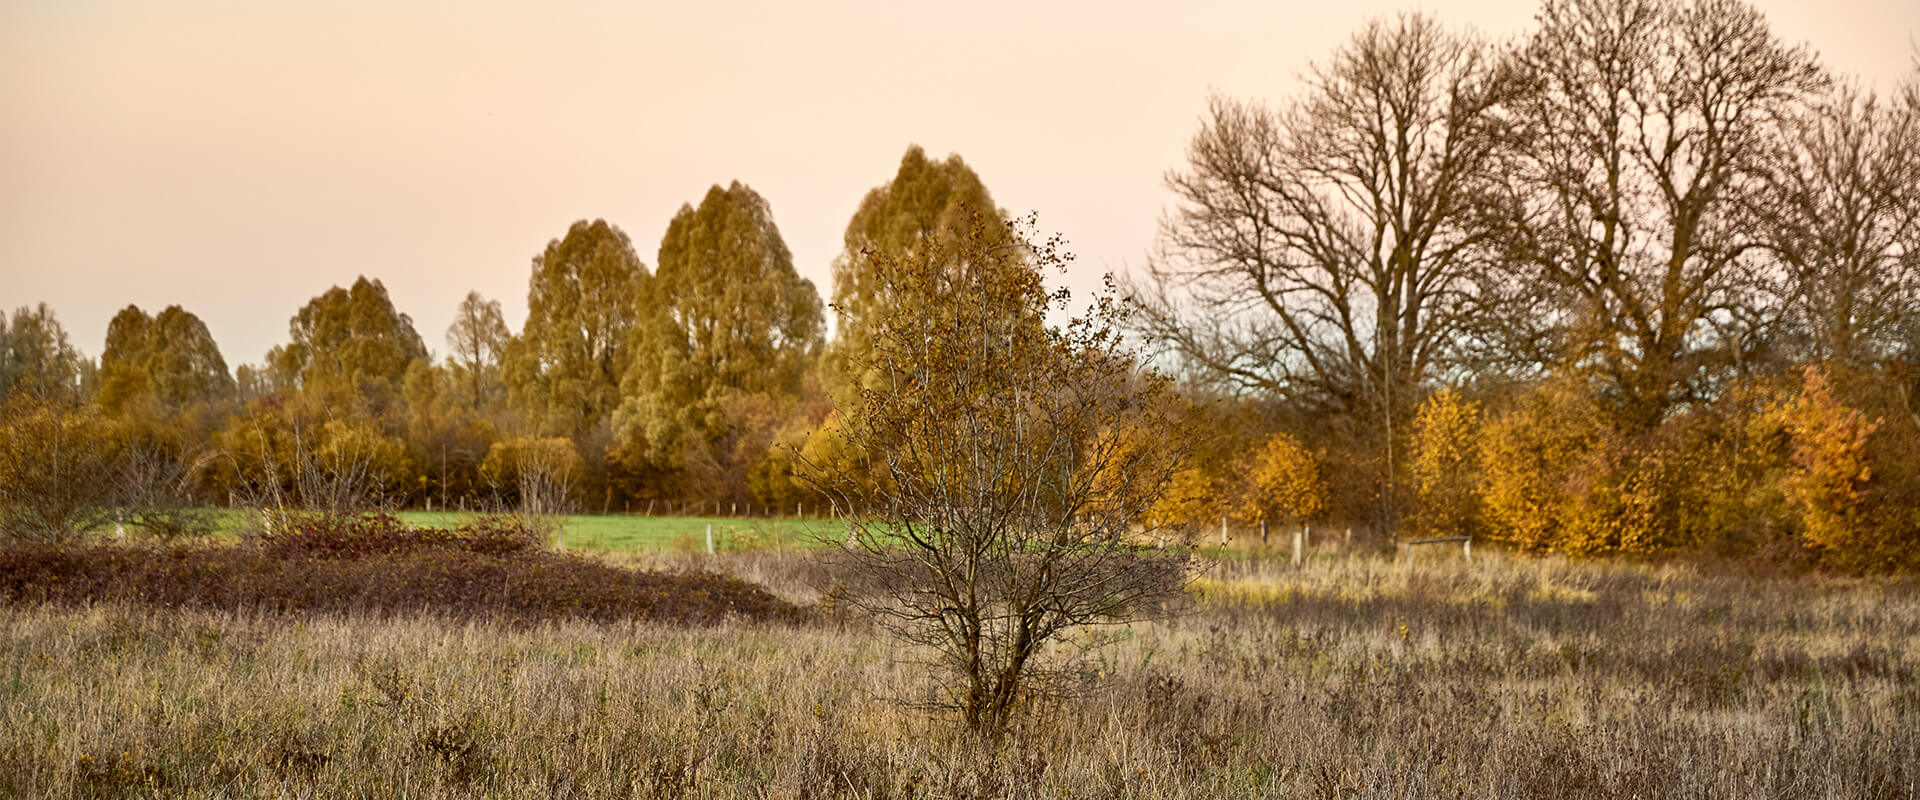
(692, 384)
(1645, 280)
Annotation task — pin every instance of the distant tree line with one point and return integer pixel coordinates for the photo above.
(696, 384)
(1642, 281)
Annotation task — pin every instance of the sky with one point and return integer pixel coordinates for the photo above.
(239, 158)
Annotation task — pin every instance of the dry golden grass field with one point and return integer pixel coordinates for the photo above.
(1350, 678)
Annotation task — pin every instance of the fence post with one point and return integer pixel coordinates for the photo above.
(1223, 530)
(709, 538)
(1296, 546)
(1466, 548)
(1263, 533)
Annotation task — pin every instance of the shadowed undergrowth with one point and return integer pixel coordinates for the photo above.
(491, 568)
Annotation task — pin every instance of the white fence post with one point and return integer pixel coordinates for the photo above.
(709, 538)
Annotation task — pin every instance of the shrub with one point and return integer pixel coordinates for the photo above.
(1834, 486)
(491, 569)
(56, 470)
(1559, 475)
(1282, 482)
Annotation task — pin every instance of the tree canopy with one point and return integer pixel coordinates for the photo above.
(926, 200)
(169, 355)
(729, 316)
(477, 341)
(583, 300)
(350, 336)
(35, 355)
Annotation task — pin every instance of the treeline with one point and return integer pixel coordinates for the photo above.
(694, 384)
(1643, 281)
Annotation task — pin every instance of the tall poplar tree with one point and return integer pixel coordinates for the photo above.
(35, 356)
(351, 335)
(730, 316)
(927, 200)
(170, 355)
(583, 299)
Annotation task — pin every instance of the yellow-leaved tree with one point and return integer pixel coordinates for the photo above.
(1828, 481)
(1446, 465)
(1526, 454)
(1559, 475)
(1283, 482)
(1191, 498)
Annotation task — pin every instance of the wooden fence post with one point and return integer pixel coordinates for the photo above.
(1296, 546)
(1263, 533)
(709, 538)
(1223, 530)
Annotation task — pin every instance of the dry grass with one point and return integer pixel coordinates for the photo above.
(1350, 678)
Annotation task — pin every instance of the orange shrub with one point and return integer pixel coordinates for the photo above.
(1828, 483)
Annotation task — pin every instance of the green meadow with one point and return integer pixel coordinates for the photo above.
(622, 533)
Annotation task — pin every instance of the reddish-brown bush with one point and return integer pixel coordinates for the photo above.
(490, 569)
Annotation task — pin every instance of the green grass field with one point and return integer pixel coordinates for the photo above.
(629, 533)
(634, 533)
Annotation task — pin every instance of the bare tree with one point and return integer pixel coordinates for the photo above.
(289, 470)
(1327, 253)
(547, 474)
(1841, 214)
(1642, 142)
(535, 477)
(478, 340)
(156, 490)
(1007, 507)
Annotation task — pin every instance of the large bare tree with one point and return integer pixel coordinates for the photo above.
(1327, 253)
(1641, 149)
(1842, 216)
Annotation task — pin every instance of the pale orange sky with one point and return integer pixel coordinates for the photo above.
(238, 158)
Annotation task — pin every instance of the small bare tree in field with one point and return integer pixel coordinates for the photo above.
(156, 490)
(541, 473)
(288, 469)
(1001, 511)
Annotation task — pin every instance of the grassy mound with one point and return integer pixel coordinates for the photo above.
(490, 568)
